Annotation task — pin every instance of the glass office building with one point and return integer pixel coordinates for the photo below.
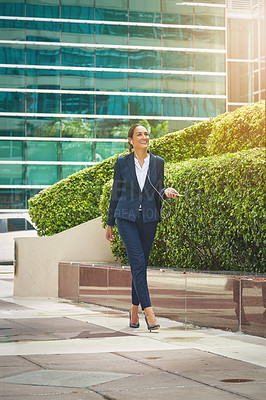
(74, 75)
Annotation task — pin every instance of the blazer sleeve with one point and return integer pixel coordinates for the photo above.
(116, 193)
(160, 177)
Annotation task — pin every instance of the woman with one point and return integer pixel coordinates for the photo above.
(135, 204)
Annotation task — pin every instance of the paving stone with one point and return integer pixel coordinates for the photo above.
(63, 378)
(103, 362)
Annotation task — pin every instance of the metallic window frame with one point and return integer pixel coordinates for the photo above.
(117, 23)
(112, 46)
(100, 116)
(61, 139)
(130, 70)
(108, 93)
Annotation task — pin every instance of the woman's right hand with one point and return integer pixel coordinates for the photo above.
(109, 233)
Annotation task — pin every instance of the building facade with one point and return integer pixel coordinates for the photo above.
(74, 75)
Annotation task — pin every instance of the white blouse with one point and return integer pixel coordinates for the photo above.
(141, 172)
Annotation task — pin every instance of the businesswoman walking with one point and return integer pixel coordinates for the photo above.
(135, 205)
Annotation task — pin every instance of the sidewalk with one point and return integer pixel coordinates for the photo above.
(56, 349)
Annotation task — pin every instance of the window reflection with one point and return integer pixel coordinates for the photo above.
(44, 55)
(77, 80)
(77, 57)
(77, 151)
(145, 105)
(77, 33)
(145, 82)
(42, 174)
(111, 105)
(12, 150)
(43, 127)
(144, 36)
(16, 197)
(12, 30)
(12, 77)
(12, 126)
(144, 59)
(12, 102)
(42, 31)
(109, 34)
(112, 81)
(111, 10)
(12, 174)
(145, 11)
(43, 151)
(77, 104)
(111, 58)
(43, 78)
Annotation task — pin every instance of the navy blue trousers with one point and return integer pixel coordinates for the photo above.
(138, 237)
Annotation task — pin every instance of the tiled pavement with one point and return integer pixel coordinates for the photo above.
(56, 349)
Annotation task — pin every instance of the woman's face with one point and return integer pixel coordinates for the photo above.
(140, 139)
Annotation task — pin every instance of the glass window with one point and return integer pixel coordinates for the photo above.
(83, 10)
(111, 10)
(43, 102)
(145, 105)
(12, 78)
(209, 16)
(145, 82)
(12, 102)
(173, 13)
(43, 127)
(42, 174)
(174, 107)
(145, 59)
(112, 128)
(112, 81)
(42, 31)
(210, 85)
(174, 126)
(210, 62)
(43, 78)
(12, 54)
(206, 108)
(105, 149)
(42, 8)
(209, 39)
(78, 151)
(177, 37)
(178, 83)
(70, 169)
(111, 58)
(111, 105)
(240, 44)
(12, 198)
(240, 82)
(12, 126)
(12, 30)
(77, 104)
(77, 80)
(77, 57)
(43, 55)
(178, 61)
(12, 150)
(12, 174)
(145, 11)
(77, 127)
(43, 151)
(144, 36)
(77, 33)
(15, 8)
(110, 34)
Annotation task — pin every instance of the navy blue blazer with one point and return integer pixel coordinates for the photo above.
(127, 197)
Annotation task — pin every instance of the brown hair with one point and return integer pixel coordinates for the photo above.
(130, 135)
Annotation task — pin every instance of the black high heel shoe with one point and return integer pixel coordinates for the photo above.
(151, 327)
(132, 324)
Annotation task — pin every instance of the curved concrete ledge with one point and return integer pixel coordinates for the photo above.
(36, 259)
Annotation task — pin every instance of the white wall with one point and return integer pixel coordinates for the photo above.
(36, 266)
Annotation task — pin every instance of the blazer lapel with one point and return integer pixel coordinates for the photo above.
(151, 170)
(131, 165)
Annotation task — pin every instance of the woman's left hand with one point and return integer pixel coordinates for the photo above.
(171, 192)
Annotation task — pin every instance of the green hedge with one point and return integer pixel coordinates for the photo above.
(71, 201)
(220, 222)
(75, 200)
(242, 129)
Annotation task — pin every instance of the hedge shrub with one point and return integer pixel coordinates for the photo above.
(220, 222)
(75, 200)
(72, 200)
(240, 130)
